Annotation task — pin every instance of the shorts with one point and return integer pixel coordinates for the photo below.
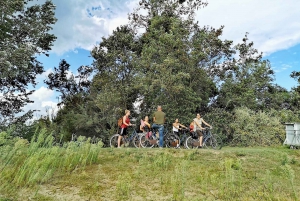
(199, 132)
(123, 131)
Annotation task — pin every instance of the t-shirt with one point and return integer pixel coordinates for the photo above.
(199, 121)
(159, 117)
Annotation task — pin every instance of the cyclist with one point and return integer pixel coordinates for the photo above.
(125, 124)
(177, 126)
(198, 127)
(145, 126)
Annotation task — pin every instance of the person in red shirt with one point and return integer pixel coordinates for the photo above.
(125, 124)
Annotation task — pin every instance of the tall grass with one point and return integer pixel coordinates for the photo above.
(93, 173)
(29, 164)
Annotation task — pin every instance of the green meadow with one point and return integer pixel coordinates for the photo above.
(84, 171)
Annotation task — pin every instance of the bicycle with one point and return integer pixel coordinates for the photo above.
(209, 140)
(151, 139)
(184, 133)
(134, 138)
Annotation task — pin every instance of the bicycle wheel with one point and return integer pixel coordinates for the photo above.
(172, 141)
(136, 141)
(207, 142)
(114, 141)
(191, 143)
(147, 141)
(216, 142)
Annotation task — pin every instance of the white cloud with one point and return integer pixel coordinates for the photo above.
(281, 68)
(82, 23)
(42, 98)
(272, 25)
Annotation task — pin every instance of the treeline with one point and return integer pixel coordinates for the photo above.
(164, 57)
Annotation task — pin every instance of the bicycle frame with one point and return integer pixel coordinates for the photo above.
(206, 135)
(129, 138)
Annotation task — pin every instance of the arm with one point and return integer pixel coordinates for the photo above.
(147, 124)
(206, 123)
(182, 126)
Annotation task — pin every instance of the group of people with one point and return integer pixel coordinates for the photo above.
(159, 118)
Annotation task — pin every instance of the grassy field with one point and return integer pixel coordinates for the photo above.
(89, 172)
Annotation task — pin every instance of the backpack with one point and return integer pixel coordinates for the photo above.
(120, 121)
(192, 126)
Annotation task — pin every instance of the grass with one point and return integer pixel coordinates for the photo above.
(39, 171)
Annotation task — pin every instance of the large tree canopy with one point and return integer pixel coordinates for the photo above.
(24, 34)
(173, 62)
(164, 57)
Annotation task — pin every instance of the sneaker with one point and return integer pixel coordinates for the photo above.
(200, 147)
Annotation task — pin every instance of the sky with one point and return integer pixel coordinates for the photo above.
(273, 26)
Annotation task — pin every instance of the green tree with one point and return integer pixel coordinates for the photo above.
(248, 81)
(77, 112)
(178, 58)
(296, 76)
(172, 62)
(24, 34)
(113, 87)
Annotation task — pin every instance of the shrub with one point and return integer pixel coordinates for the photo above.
(252, 128)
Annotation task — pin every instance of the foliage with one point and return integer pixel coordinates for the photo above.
(163, 57)
(69, 87)
(248, 82)
(165, 65)
(77, 114)
(114, 87)
(24, 34)
(24, 164)
(296, 76)
(252, 128)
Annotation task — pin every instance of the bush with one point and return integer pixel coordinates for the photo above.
(252, 128)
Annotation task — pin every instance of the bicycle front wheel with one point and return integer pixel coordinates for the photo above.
(136, 141)
(216, 142)
(147, 141)
(191, 143)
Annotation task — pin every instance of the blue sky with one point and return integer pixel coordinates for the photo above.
(273, 26)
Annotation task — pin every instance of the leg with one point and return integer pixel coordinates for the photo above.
(200, 134)
(200, 140)
(120, 136)
(119, 140)
(161, 136)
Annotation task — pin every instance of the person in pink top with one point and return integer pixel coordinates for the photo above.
(125, 124)
(145, 126)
